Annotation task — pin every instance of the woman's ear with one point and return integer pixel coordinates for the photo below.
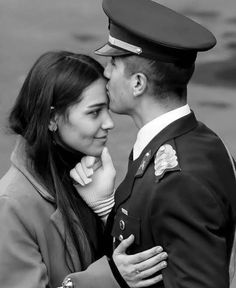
(139, 83)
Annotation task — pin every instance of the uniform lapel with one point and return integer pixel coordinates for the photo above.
(138, 168)
(125, 188)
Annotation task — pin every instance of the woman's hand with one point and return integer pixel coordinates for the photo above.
(135, 268)
(95, 178)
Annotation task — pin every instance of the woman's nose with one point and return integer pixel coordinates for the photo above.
(108, 123)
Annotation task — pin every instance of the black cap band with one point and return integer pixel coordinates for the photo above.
(150, 49)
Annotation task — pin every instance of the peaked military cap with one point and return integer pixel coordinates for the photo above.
(148, 29)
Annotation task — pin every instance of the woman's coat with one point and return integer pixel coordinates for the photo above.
(32, 253)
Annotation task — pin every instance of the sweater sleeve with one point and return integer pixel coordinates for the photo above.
(21, 263)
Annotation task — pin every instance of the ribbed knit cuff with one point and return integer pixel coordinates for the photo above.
(103, 208)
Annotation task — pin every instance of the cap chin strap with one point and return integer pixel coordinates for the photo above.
(124, 45)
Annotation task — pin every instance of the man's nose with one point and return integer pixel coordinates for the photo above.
(107, 71)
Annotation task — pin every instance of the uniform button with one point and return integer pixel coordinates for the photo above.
(122, 224)
(121, 237)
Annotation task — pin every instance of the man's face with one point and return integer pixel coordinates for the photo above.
(118, 86)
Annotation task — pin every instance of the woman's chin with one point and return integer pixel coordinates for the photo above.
(96, 152)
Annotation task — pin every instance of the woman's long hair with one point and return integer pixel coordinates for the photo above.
(54, 83)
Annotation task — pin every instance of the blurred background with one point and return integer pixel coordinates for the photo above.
(29, 28)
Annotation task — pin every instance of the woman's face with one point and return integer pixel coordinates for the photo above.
(85, 128)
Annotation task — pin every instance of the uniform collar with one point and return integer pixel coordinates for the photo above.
(138, 167)
(20, 160)
(154, 127)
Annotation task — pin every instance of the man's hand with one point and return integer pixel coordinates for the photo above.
(137, 267)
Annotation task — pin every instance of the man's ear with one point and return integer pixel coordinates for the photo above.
(139, 83)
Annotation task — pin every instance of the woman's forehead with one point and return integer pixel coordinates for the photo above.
(95, 94)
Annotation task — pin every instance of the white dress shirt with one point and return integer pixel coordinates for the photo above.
(154, 127)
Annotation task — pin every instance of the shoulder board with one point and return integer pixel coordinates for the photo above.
(165, 160)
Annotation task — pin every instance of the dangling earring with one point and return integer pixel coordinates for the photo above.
(52, 126)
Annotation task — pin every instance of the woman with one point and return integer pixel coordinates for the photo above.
(46, 229)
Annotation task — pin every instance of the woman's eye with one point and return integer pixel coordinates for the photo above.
(94, 113)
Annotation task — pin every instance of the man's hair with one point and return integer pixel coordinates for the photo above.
(164, 79)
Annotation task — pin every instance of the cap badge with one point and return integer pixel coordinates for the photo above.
(165, 160)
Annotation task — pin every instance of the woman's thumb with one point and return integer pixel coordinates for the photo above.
(106, 158)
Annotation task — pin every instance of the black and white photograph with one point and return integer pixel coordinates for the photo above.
(117, 143)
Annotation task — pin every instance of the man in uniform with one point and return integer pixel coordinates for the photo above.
(180, 188)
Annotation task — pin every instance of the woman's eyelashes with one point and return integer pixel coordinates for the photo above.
(97, 111)
(94, 114)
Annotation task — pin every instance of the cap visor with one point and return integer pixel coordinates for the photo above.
(108, 50)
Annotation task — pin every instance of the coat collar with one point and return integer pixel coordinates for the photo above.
(20, 160)
(139, 166)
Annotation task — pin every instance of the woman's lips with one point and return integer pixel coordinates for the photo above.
(101, 137)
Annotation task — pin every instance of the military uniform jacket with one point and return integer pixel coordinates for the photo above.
(184, 201)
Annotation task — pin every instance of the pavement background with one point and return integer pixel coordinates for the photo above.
(29, 28)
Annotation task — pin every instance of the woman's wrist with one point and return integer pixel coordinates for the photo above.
(103, 208)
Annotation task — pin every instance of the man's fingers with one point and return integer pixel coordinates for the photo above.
(148, 282)
(152, 265)
(74, 175)
(121, 248)
(82, 174)
(151, 262)
(151, 271)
